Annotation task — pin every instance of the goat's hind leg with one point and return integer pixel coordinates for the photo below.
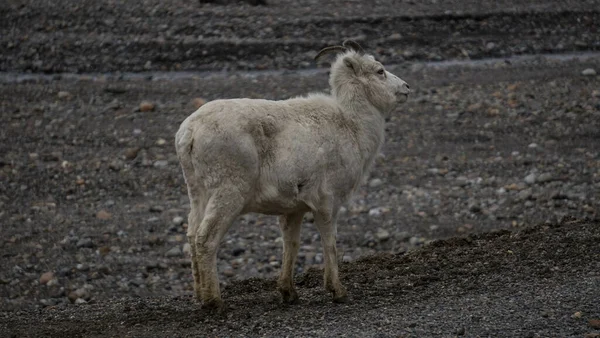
(194, 218)
(223, 207)
(290, 227)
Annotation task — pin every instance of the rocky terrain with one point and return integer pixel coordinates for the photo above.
(497, 149)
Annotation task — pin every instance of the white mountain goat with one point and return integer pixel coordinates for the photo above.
(286, 158)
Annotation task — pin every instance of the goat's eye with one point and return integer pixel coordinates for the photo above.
(381, 72)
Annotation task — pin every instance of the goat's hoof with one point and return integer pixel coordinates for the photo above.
(340, 299)
(289, 296)
(216, 305)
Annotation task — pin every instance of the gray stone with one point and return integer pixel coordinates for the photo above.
(161, 163)
(85, 243)
(374, 183)
(178, 220)
(174, 252)
(545, 177)
(382, 234)
(589, 72)
(530, 179)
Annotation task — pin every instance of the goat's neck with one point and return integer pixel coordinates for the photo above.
(370, 125)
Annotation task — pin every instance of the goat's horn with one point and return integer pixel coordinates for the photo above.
(354, 46)
(332, 49)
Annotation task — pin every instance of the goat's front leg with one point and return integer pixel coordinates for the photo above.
(326, 222)
(290, 228)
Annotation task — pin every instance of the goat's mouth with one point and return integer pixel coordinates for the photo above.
(401, 97)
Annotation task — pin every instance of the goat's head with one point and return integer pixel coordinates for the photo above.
(356, 75)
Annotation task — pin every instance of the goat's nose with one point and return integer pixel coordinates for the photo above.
(405, 88)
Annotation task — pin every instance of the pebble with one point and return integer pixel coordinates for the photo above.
(238, 251)
(228, 272)
(594, 323)
(80, 293)
(375, 212)
(198, 102)
(174, 252)
(530, 179)
(532, 145)
(187, 249)
(416, 240)
(131, 153)
(402, 236)
(545, 177)
(85, 243)
(103, 215)
(178, 220)
(156, 208)
(382, 235)
(46, 277)
(374, 183)
(462, 181)
(576, 315)
(161, 163)
(147, 106)
(588, 72)
(63, 95)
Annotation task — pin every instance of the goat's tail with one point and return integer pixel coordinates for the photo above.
(184, 145)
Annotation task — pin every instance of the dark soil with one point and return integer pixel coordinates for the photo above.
(527, 283)
(503, 153)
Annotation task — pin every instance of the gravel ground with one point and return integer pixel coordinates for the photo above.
(93, 204)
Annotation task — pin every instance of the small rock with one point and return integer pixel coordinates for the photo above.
(131, 153)
(474, 208)
(80, 301)
(147, 106)
(416, 240)
(462, 181)
(375, 212)
(490, 46)
(85, 243)
(198, 102)
(161, 142)
(80, 293)
(161, 163)
(238, 251)
(402, 236)
(228, 272)
(594, 323)
(46, 277)
(103, 215)
(382, 234)
(63, 95)
(374, 183)
(530, 179)
(588, 72)
(532, 145)
(460, 331)
(178, 220)
(174, 252)
(395, 36)
(525, 194)
(156, 208)
(545, 177)
(187, 248)
(576, 315)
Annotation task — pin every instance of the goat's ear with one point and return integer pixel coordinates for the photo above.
(351, 63)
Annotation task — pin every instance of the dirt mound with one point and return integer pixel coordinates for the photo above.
(540, 281)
